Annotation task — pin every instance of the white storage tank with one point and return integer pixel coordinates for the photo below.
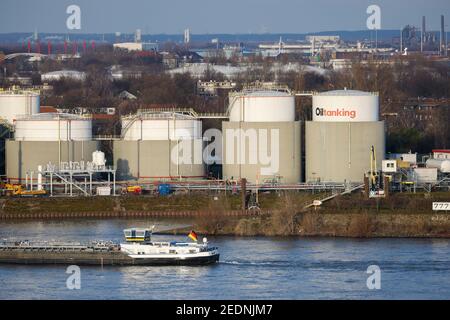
(262, 106)
(160, 146)
(18, 102)
(443, 165)
(344, 127)
(261, 141)
(161, 126)
(53, 127)
(48, 137)
(345, 106)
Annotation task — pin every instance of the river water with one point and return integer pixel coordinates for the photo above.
(249, 268)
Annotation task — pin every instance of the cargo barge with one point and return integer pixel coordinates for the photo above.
(138, 250)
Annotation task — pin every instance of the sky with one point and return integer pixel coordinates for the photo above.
(216, 16)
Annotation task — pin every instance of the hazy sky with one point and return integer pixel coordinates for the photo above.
(217, 16)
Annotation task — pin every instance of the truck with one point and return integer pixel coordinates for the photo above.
(134, 190)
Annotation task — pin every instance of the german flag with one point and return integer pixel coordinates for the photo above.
(192, 235)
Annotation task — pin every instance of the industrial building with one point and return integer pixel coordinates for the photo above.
(48, 137)
(339, 138)
(159, 146)
(64, 74)
(261, 140)
(137, 46)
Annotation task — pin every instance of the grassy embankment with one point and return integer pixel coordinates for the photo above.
(402, 215)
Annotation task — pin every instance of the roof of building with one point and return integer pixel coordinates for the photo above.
(48, 109)
(65, 73)
(127, 95)
(441, 150)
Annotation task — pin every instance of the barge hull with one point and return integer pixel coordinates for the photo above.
(105, 259)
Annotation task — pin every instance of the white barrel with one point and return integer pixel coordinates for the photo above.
(443, 165)
(345, 106)
(262, 106)
(15, 103)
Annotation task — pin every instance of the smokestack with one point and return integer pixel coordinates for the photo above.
(137, 36)
(423, 35)
(442, 42)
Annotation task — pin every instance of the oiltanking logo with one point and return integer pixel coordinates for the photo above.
(335, 113)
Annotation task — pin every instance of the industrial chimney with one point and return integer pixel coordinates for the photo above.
(423, 35)
(442, 42)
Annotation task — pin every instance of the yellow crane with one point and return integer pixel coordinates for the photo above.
(373, 166)
(19, 190)
(375, 182)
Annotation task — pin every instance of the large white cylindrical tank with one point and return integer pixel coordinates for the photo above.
(53, 127)
(14, 103)
(262, 106)
(161, 127)
(345, 106)
(443, 165)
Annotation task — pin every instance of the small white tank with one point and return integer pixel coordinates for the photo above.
(98, 158)
(443, 165)
(262, 106)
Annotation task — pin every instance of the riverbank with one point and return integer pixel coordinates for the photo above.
(281, 214)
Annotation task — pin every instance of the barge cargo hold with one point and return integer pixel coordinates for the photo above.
(138, 250)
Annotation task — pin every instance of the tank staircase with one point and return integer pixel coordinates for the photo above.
(348, 190)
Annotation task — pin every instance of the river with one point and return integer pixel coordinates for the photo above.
(249, 268)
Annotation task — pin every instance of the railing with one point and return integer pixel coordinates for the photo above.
(189, 111)
(107, 137)
(54, 116)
